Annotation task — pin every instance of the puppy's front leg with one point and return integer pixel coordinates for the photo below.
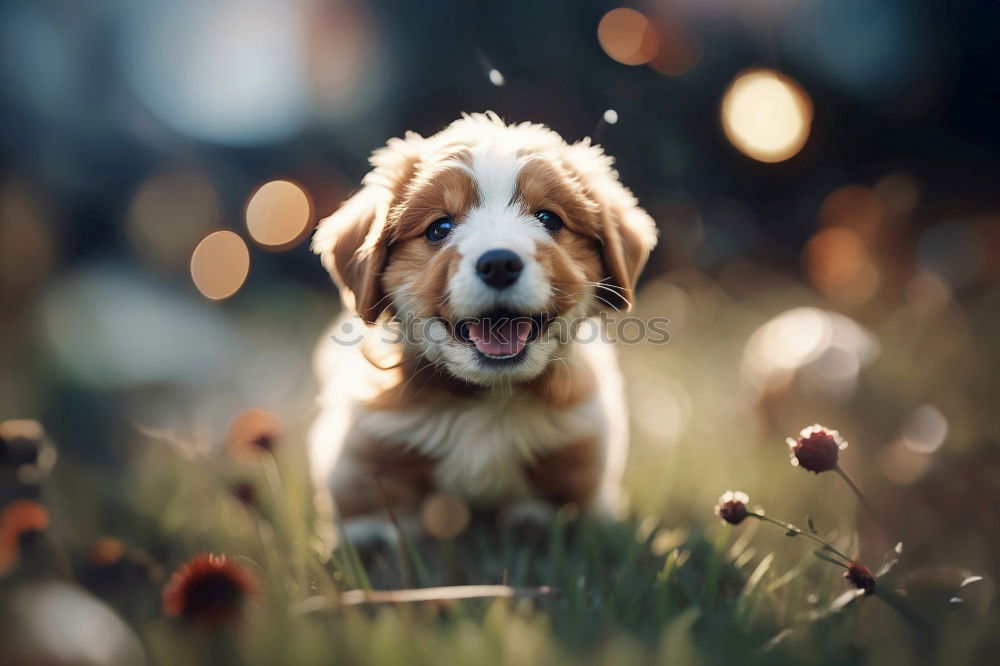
(571, 473)
(369, 483)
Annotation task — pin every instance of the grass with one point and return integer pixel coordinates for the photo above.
(615, 592)
(610, 594)
(575, 591)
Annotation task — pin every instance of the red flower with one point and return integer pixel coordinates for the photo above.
(817, 448)
(18, 518)
(253, 433)
(861, 577)
(732, 507)
(209, 590)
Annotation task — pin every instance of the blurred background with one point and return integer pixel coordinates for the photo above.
(824, 175)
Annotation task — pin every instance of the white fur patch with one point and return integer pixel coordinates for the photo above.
(495, 171)
(498, 223)
(482, 445)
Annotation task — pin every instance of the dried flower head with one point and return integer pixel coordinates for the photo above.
(861, 577)
(209, 590)
(27, 450)
(253, 433)
(245, 492)
(732, 507)
(17, 519)
(817, 448)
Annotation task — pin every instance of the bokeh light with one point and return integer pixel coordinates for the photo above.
(107, 326)
(791, 339)
(678, 49)
(766, 115)
(169, 214)
(839, 266)
(925, 429)
(220, 264)
(444, 516)
(903, 465)
(52, 622)
(105, 551)
(347, 65)
(826, 349)
(231, 72)
(26, 245)
(855, 207)
(628, 37)
(279, 215)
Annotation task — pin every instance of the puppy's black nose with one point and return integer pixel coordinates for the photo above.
(499, 268)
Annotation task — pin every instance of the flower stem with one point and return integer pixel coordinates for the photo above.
(792, 528)
(861, 497)
(823, 556)
(895, 600)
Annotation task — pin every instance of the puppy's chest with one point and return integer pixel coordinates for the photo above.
(481, 447)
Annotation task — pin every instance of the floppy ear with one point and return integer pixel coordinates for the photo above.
(627, 233)
(628, 237)
(353, 242)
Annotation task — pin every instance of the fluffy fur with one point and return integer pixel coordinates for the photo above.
(428, 414)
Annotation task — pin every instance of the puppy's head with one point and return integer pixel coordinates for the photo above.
(483, 239)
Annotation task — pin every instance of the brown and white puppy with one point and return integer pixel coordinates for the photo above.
(484, 244)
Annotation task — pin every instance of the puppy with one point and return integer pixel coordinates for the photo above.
(483, 247)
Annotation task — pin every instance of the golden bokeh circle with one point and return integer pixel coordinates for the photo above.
(766, 115)
(220, 264)
(839, 265)
(628, 37)
(444, 516)
(279, 215)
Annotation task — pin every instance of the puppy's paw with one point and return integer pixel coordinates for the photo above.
(528, 519)
(374, 537)
(607, 507)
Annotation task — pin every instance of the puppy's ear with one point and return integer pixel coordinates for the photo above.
(627, 233)
(353, 242)
(628, 236)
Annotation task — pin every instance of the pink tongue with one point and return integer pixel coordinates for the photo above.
(505, 338)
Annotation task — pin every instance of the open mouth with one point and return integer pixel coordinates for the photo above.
(501, 335)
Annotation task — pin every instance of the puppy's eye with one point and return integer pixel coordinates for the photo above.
(550, 220)
(438, 229)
